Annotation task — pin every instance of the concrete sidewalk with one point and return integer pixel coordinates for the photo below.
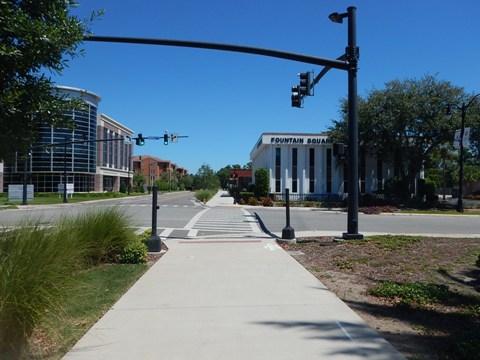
(230, 299)
(221, 198)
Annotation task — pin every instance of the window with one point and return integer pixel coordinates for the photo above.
(362, 173)
(115, 150)
(278, 172)
(311, 170)
(105, 144)
(121, 145)
(294, 170)
(110, 150)
(329, 171)
(379, 176)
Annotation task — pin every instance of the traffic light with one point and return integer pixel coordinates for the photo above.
(140, 141)
(296, 97)
(165, 139)
(304, 83)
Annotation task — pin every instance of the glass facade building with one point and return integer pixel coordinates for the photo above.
(94, 156)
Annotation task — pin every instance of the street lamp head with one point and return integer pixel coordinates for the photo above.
(448, 112)
(337, 18)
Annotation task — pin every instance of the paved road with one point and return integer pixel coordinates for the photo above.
(180, 216)
(176, 210)
(335, 223)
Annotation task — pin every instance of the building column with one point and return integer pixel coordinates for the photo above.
(99, 182)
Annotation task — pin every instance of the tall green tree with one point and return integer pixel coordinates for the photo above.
(36, 38)
(205, 178)
(248, 166)
(405, 122)
(224, 175)
(186, 182)
(262, 182)
(139, 182)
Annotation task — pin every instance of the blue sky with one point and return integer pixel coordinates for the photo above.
(223, 101)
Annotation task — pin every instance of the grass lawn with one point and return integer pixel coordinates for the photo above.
(442, 212)
(96, 291)
(47, 200)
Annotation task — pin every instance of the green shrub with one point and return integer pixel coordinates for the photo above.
(394, 242)
(411, 293)
(134, 253)
(262, 182)
(266, 201)
(252, 201)
(478, 261)
(204, 195)
(145, 236)
(102, 233)
(245, 195)
(36, 266)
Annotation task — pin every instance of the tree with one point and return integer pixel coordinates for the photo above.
(262, 182)
(224, 176)
(404, 123)
(186, 182)
(36, 37)
(205, 178)
(139, 182)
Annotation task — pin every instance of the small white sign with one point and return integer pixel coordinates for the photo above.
(174, 138)
(15, 192)
(70, 189)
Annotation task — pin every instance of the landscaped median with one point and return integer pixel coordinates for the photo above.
(56, 282)
(421, 294)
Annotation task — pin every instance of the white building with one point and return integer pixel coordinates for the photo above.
(312, 167)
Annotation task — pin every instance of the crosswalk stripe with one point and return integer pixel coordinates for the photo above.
(165, 233)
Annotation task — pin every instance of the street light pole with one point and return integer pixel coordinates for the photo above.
(463, 108)
(352, 56)
(25, 176)
(460, 175)
(353, 192)
(65, 199)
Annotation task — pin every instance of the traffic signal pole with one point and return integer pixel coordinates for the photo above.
(353, 191)
(347, 63)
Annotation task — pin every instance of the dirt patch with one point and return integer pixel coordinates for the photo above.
(431, 330)
(153, 257)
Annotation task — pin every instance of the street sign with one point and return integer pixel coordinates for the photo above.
(128, 139)
(173, 137)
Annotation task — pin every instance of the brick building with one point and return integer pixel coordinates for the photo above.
(155, 169)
